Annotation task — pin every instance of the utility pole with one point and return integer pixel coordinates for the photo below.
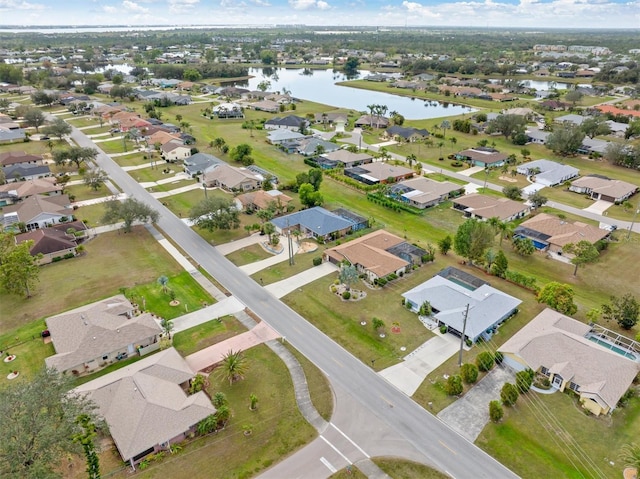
(290, 245)
(633, 222)
(464, 327)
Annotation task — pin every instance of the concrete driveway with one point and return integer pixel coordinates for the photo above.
(470, 414)
(598, 207)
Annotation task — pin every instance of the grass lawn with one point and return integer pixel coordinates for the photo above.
(283, 270)
(33, 147)
(278, 427)
(187, 290)
(525, 441)
(248, 254)
(182, 203)
(212, 332)
(91, 214)
(133, 159)
(174, 185)
(116, 146)
(402, 469)
(154, 174)
(340, 319)
(80, 122)
(83, 192)
(111, 261)
(29, 349)
(560, 194)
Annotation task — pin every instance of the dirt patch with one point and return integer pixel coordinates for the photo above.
(507, 178)
(307, 247)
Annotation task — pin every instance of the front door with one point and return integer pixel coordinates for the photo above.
(557, 381)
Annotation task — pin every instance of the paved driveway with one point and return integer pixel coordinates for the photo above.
(470, 414)
(599, 207)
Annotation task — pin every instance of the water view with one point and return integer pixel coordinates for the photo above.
(320, 86)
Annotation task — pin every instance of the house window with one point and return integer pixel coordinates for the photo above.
(544, 371)
(573, 386)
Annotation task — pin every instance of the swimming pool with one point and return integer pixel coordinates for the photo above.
(613, 347)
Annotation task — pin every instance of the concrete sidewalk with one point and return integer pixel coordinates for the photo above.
(222, 308)
(252, 268)
(472, 171)
(235, 245)
(214, 354)
(179, 176)
(177, 191)
(97, 201)
(408, 375)
(286, 286)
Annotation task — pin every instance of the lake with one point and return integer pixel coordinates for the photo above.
(320, 86)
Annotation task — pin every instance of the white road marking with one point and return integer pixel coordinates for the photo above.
(336, 449)
(350, 440)
(329, 465)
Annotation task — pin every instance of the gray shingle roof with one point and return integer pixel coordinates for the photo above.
(320, 221)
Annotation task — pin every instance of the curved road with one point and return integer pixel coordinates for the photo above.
(447, 450)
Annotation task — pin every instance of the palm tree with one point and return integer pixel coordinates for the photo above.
(234, 366)
(163, 281)
(411, 158)
(440, 145)
(167, 326)
(372, 108)
(453, 140)
(445, 125)
(631, 456)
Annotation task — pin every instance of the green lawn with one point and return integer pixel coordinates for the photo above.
(28, 347)
(82, 122)
(91, 214)
(212, 332)
(278, 427)
(33, 147)
(402, 469)
(341, 320)
(283, 270)
(182, 203)
(155, 174)
(116, 146)
(249, 254)
(112, 261)
(134, 159)
(188, 291)
(83, 192)
(526, 442)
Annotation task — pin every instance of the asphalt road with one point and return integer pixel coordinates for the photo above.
(447, 450)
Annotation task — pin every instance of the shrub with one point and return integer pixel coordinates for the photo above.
(469, 373)
(495, 411)
(468, 342)
(443, 329)
(55, 259)
(601, 245)
(453, 386)
(498, 357)
(317, 261)
(484, 361)
(524, 380)
(509, 394)
(69, 256)
(377, 324)
(346, 295)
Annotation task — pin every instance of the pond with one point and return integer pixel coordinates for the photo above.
(320, 86)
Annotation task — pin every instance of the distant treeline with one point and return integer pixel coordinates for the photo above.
(206, 70)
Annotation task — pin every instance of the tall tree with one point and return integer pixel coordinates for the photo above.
(309, 197)
(595, 126)
(565, 139)
(524, 246)
(537, 199)
(584, 252)
(86, 440)
(38, 420)
(34, 117)
(128, 211)
(444, 126)
(215, 213)
(348, 275)
(472, 239)
(508, 125)
(94, 178)
(19, 270)
(624, 310)
(500, 265)
(75, 154)
(58, 128)
(558, 296)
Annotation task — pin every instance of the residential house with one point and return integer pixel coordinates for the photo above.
(310, 146)
(550, 233)
(344, 159)
(8, 135)
(231, 178)
(228, 110)
(318, 223)
(55, 241)
(592, 145)
(403, 133)
(379, 173)
(423, 192)
(277, 137)
(175, 150)
(22, 158)
(482, 156)
(38, 212)
(330, 118)
(484, 207)
(26, 171)
(146, 404)
(603, 188)
(95, 335)
(200, 163)
(266, 105)
(259, 200)
(457, 298)
(159, 136)
(613, 110)
(536, 136)
(377, 255)
(289, 122)
(17, 191)
(572, 118)
(577, 356)
(372, 121)
(547, 172)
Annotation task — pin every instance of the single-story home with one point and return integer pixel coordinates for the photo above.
(403, 133)
(95, 335)
(16, 191)
(330, 118)
(550, 233)
(55, 241)
(376, 255)
(276, 137)
(319, 223)
(266, 105)
(200, 163)
(8, 135)
(345, 159)
(423, 192)
(259, 199)
(38, 212)
(536, 136)
(484, 207)
(289, 122)
(26, 171)
(483, 156)
(310, 146)
(573, 355)
(451, 291)
(372, 121)
(379, 172)
(228, 110)
(175, 150)
(146, 404)
(571, 118)
(231, 178)
(592, 145)
(602, 188)
(15, 157)
(547, 172)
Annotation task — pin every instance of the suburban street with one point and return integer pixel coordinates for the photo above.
(441, 446)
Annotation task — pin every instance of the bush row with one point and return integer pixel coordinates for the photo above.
(392, 204)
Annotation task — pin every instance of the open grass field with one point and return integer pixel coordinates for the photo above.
(83, 192)
(33, 147)
(186, 289)
(283, 270)
(204, 335)
(134, 159)
(91, 214)
(155, 174)
(80, 122)
(116, 145)
(112, 261)
(278, 428)
(525, 441)
(249, 254)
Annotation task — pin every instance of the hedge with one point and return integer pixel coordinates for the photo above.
(393, 204)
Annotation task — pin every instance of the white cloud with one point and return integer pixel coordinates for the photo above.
(130, 6)
(182, 6)
(419, 9)
(309, 4)
(16, 5)
(109, 9)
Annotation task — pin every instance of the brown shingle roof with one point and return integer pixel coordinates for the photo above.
(35, 205)
(561, 232)
(485, 206)
(36, 186)
(605, 186)
(13, 157)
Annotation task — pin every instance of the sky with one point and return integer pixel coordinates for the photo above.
(475, 13)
